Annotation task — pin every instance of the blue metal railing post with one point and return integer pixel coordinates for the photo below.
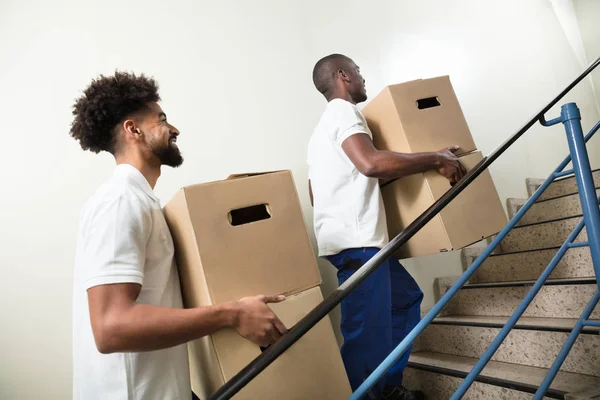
(585, 179)
(427, 319)
(571, 119)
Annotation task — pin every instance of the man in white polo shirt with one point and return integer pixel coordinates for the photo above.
(129, 327)
(350, 224)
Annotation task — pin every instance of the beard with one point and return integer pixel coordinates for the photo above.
(168, 155)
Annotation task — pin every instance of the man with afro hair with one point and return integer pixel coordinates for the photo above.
(129, 327)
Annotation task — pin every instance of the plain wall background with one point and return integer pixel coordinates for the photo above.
(588, 14)
(236, 80)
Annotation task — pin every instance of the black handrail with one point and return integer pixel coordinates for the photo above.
(313, 317)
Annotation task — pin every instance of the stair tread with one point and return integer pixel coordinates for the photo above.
(566, 382)
(569, 179)
(552, 248)
(565, 299)
(541, 235)
(550, 221)
(557, 198)
(545, 200)
(554, 324)
(549, 209)
(562, 281)
(529, 265)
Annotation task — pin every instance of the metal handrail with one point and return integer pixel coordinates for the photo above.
(230, 388)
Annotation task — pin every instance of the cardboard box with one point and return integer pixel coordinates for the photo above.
(239, 237)
(311, 369)
(474, 214)
(245, 236)
(418, 116)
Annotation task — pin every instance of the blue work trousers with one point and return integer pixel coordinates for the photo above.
(376, 316)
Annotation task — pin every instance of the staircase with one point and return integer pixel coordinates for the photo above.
(448, 348)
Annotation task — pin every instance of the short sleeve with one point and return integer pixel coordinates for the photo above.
(348, 120)
(115, 239)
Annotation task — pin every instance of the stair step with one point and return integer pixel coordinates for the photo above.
(528, 265)
(531, 323)
(531, 282)
(561, 187)
(552, 209)
(566, 299)
(537, 346)
(541, 235)
(441, 384)
(438, 376)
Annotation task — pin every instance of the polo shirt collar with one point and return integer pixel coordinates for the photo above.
(133, 175)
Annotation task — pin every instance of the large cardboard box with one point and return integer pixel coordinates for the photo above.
(418, 116)
(311, 369)
(245, 236)
(474, 214)
(240, 237)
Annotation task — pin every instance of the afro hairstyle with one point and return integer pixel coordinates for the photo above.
(106, 102)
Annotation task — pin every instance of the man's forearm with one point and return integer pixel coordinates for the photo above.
(391, 165)
(144, 327)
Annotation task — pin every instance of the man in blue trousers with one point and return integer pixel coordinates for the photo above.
(350, 224)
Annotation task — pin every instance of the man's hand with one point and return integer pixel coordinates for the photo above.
(257, 322)
(450, 166)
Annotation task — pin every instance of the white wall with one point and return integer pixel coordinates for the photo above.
(567, 16)
(588, 14)
(506, 60)
(235, 78)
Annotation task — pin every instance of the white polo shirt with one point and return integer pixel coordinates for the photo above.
(348, 207)
(124, 238)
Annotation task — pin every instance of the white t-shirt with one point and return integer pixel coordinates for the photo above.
(124, 238)
(348, 207)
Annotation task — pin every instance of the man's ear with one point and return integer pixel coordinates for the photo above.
(342, 74)
(130, 128)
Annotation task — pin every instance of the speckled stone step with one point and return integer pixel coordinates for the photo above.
(438, 376)
(533, 342)
(547, 210)
(588, 394)
(541, 235)
(528, 265)
(560, 187)
(532, 323)
(565, 298)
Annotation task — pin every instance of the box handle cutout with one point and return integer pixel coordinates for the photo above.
(429, 102)
(247, 215)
